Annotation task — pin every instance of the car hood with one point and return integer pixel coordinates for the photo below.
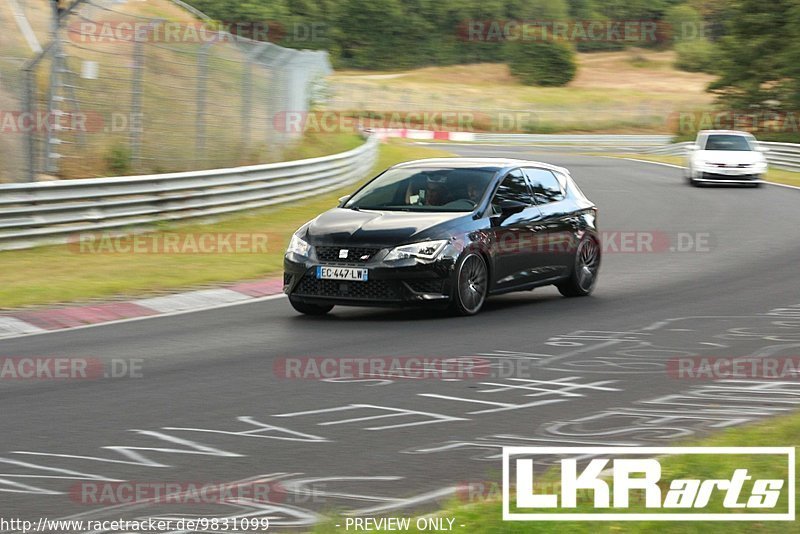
(346, 226)
(730, 157)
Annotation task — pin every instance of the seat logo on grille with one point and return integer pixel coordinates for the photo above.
(343, 253)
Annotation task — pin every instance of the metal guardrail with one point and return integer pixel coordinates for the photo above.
(50, 212)
(780, 155)
(783, 155)
(40, 213)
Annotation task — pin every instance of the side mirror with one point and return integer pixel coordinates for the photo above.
(343, 200)
(510, 207)
(762, 149)
(692, 148)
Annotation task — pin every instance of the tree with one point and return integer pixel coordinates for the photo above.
(547, 63)
(759, 56)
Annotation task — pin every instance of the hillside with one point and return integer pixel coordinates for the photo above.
(616, 92)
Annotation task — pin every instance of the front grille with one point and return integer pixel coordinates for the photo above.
(723, 177)
(426, 286)
(369, 290)
(354, 254)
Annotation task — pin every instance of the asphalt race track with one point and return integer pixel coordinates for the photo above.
(211, 406)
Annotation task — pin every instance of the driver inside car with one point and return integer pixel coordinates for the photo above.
(473, 191)
(435, 194)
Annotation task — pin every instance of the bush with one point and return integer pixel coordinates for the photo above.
(696, 55)
(118, 160)
(546, 63)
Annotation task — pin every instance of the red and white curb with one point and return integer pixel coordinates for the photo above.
(31, 322)
(428, 135)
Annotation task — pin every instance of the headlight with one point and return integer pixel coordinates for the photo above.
(427, 250)
(298, 246)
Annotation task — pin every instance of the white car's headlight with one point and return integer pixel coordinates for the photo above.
(426, 250)
(298, 246)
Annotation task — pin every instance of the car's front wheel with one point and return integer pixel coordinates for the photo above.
(472, 285)
(584, 274)
(309, 309)
(690, 177)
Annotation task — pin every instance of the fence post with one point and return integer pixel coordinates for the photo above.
(247, 104)
(202, 90)
(30, 110)
(136, 102)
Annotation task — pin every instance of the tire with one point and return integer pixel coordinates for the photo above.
(471, 285)
(310, 309)
(689, 174)
(585, 271)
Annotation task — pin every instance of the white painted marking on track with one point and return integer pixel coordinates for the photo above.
(148, 317)
(13, 327)
(191, 300)
(263, 430)
(501, 406)
(429, 417)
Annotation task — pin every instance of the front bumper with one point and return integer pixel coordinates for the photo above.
(729, 176)
(407, 283)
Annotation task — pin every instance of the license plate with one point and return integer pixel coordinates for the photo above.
(342, 273)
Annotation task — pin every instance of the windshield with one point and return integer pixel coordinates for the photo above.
(728, 142)
(428, 189)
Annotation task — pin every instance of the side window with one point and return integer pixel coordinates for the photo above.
(546, 187)
(513, 187)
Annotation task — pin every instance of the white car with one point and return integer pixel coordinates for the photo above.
(725, 157)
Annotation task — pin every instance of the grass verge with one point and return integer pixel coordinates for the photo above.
(486, 517)
(778, 176)
(60, 273)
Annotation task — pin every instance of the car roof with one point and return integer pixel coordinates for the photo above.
(496, 164)
(731, 132)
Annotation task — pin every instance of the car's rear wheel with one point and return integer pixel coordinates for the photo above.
(310, 309)
(584, 274)
(472, 285)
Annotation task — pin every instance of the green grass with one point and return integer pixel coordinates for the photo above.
(778, 176)
(55, 274)
(486, 517)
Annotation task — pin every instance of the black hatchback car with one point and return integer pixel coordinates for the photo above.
(446, 232)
